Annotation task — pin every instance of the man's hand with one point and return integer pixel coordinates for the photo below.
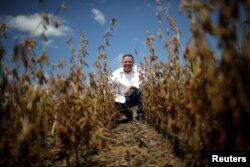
(115, 95)
(130, 90)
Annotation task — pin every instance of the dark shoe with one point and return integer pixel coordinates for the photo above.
(129, 115)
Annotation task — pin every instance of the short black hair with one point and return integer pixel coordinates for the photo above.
(127, 55)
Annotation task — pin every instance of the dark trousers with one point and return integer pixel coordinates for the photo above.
(132, 100)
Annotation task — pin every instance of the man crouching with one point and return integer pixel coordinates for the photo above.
(126, 86)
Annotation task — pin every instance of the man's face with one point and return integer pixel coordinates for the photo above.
(127, 63)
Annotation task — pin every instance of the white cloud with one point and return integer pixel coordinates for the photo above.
(32, 24)
(49, 43)
(117, 62)
(98, 16)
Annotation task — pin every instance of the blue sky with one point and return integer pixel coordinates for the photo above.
(134, 19)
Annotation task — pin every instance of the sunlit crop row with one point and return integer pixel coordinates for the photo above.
(204, 104)
(199, 106)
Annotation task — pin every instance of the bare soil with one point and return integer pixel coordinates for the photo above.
(132, 144)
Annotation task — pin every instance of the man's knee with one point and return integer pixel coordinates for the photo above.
(139, 93)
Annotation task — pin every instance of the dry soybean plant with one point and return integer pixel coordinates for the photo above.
(200, 106)
(62, 108)
(203, 105)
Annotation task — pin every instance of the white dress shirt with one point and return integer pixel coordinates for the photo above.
(122, 80)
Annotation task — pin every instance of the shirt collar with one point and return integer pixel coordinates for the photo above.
(133, 70)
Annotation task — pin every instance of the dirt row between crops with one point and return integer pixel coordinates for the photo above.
(136, 144)
(132, 144)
